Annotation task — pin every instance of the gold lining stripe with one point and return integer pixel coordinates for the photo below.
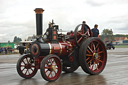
(50, 48)
(60, 48)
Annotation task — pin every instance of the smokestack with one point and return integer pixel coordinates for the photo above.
(39, 17)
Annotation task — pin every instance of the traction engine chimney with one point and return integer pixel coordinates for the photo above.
(39, 12)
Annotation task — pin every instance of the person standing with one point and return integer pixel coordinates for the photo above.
(95, 31)
(5, 50)
(84, 27)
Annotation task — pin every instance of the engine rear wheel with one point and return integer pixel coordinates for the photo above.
(92, 56)
(26, 67)
(51, 67)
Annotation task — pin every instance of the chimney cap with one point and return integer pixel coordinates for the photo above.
(39, 10)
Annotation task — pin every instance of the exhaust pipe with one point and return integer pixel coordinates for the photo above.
(39, 30)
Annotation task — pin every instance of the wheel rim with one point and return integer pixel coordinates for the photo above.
(52, 68)
(95, 56)
(27, 66)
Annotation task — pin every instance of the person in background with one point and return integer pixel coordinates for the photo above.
(5, 50)
(95, 31)
(0, 50)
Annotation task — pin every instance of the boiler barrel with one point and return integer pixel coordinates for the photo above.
(42, 49)
(39, 49)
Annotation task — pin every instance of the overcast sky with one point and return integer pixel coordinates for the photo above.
(17, 17)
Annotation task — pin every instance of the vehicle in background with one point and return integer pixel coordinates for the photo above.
(24, 47)
(109, 45)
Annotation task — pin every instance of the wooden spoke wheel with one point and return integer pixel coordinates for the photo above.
(70, 69)
(92, 56)
(51, 67)
(26, 66)
(80, 35)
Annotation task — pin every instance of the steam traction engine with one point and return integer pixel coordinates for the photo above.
(53, 53)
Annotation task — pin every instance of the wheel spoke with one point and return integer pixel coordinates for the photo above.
(32, 69)
(47, 67)
(22, 65)
(89, 61)
(27, 60)
(90, 49)
(100, 60)
(86, 33)
(97, 45)
(89, 55)
(99, 56)
(24, 62)
(90, 66)
(46, 71)
(96, 65)
(54, 65)
(100, 52)
(79, 40)
(54, 72)
(93, 65)
(91, 45)
(29, 72)
(23, 69)
(87, 58)
(49, 73)
(79, 33)
(33, 66)
(53, 61)
(26, 72)
(97, 68)
(94, 46)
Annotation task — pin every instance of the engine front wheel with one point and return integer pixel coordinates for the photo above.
(92, 56)
(26, 67)
(51, 67)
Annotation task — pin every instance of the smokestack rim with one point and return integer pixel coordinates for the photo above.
(39, 10)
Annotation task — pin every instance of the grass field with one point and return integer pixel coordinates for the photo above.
(121, 46)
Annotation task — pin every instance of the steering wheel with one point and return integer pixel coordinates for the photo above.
(80, 35)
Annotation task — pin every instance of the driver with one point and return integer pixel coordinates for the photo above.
(84, 27)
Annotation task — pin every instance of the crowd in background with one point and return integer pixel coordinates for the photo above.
(5, 50)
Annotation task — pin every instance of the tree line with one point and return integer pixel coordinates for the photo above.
(108, 34)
